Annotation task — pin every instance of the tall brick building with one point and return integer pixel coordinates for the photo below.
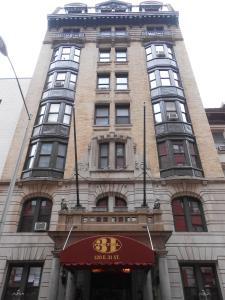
(123, 217)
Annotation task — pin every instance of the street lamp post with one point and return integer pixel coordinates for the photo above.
(3, 50)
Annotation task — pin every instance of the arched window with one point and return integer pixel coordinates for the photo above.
(36, 214)
(188, 214)
(120, 202)
(102, 203)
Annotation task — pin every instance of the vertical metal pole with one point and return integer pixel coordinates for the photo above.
(144, 204)
(21, 92)
(75, 153)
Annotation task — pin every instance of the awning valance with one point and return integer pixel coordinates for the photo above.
(107, 250)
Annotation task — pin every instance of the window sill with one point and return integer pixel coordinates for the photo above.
(103, 91)
(121, 62)
(104, 63)
(101, 128)
(122, 91)
(111, 170)
(123, 126)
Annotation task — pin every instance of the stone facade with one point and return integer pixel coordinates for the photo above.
(70, 223)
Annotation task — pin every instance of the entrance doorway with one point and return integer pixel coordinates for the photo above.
(111, 286)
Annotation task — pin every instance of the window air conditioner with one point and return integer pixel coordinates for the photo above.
(172, 116)
(59, 83)
(221, 147)
(40, 226)
(160, 54)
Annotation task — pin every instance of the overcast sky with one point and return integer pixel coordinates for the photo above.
(23, 24)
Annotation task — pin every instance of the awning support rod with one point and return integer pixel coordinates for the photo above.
(150, 238)
(68, 236)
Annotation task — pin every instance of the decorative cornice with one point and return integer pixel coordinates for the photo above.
(127, 18)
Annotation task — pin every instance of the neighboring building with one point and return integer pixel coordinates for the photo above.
(104, 241)
(10, 107)
(216, 118)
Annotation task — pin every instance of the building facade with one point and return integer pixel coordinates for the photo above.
(97, 210)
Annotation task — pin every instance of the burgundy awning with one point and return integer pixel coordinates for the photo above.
(107, 250)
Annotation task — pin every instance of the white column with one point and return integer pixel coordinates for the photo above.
(70, 287)
(54, 279)
(148, 287)
(165, 290)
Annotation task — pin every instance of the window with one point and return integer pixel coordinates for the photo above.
(105, 32)
(218, 138)
(103, 156)
(41, 114)
(176, 79)
(155, 30)
(171, 112)
(120, 202)
(67, 53)
(120, 31)
(159, 51)
(122, 114)
(102, 203)
(164, 78)
(178, 153)
(188, 215)
(163, 159)
(121, 81)
(102, 115)
(148, 51)
(104, 55)
(157, 113)
(183, 112)
(61, 80)
(112, 155)
(152, 80)
(200, 280)
(67, 114)
(23, 280)
(54, 113)
(46, 155)
(120, 156)
(103, 81)
(121, 55)
(34, 211)
(72, 81)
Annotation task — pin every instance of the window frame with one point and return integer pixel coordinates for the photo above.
(121, 157)
(103, 86)
(198, 277)
(187, 215)
(42, 117)
(106, 117)
(164, 77)
(37, 215)
(118, 118)
(52, 156)
(170, 162)
(101, 156)
(73, 55)
(24, 283)
(121, 86)
(68, 80)
(104, 51)
(121, 58)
